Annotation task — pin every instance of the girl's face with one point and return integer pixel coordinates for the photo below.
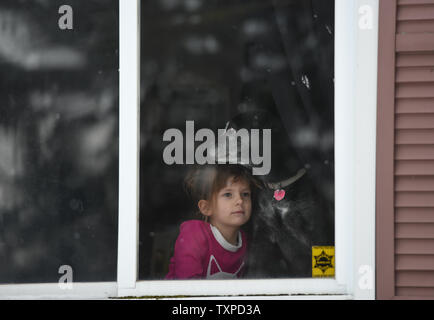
(231, 206)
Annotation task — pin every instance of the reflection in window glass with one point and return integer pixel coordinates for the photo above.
(58, 140)
(254, 65)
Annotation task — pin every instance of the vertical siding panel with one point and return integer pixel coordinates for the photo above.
(405, 189)
(385, 144)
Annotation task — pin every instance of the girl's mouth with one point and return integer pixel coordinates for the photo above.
(238, 212)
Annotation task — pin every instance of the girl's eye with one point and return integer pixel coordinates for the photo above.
(246, 194)
(227, 194)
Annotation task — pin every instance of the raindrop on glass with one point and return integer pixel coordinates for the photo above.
(305, 81)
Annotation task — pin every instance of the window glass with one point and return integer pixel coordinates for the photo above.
(243, 65)
(58, 140)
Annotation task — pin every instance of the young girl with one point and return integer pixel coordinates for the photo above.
(214, 248)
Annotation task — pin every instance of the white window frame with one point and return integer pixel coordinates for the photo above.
(355, 141)
(352, 101)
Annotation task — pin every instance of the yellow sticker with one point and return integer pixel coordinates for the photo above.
(323, 261)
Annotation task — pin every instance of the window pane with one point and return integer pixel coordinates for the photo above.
(58, 140)
(237, 64)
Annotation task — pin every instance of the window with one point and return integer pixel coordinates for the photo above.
(257, 65)
(58, 141)
(67, 147)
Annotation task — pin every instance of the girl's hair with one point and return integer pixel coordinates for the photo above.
(204, 181)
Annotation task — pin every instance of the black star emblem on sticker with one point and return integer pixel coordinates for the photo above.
(323, 261)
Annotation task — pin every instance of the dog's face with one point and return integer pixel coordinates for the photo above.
(283, 229)
(281, 232)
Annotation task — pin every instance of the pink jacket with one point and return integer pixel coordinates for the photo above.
(201, 252)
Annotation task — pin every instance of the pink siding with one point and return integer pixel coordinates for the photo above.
(405, 150)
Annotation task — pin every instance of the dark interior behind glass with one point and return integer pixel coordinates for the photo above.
(58, 141)
(261, 64)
